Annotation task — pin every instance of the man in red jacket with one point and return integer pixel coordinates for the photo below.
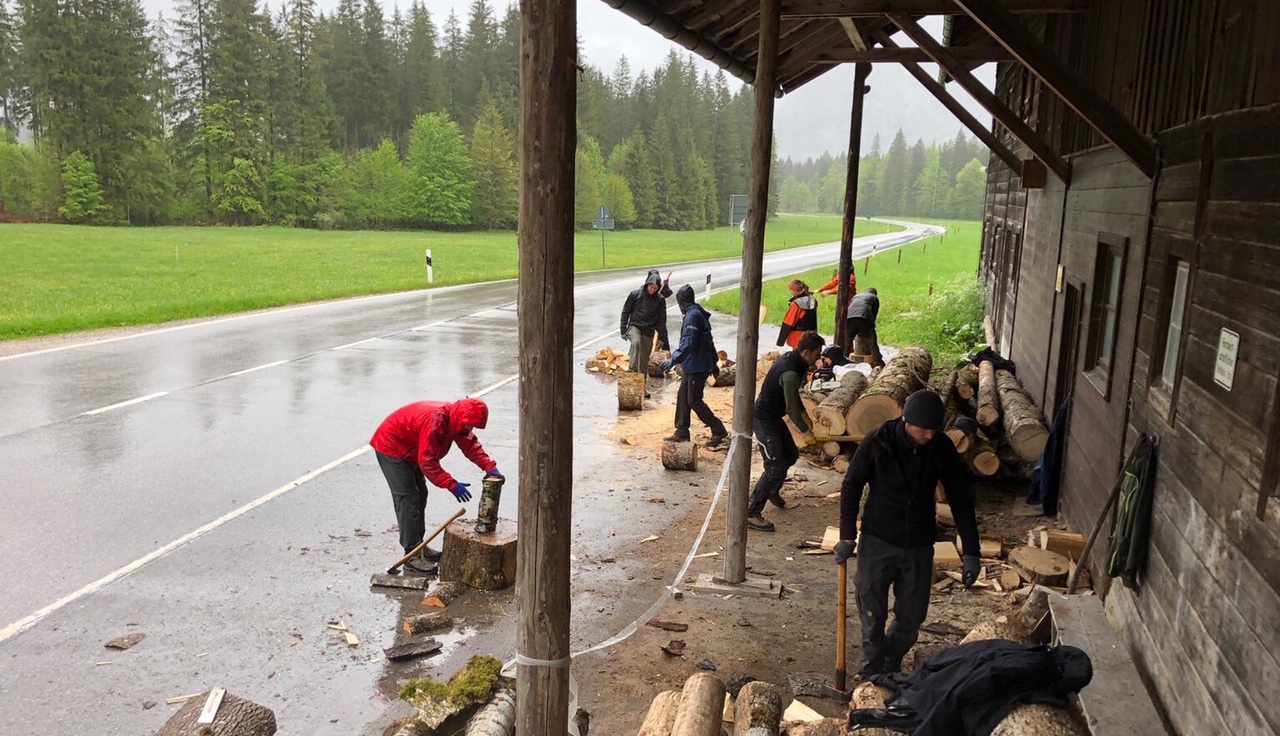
(409, 444)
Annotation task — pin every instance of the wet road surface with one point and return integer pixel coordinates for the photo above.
(209, 486)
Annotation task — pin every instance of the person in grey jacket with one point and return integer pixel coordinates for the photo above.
(643, 315)
(697, 354)
(860, 322)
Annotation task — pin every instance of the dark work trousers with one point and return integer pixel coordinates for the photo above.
(409, 494)
(862, 338)
(779, 453)
(689, 397)
(910, 571)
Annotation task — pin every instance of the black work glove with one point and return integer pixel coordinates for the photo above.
(972, 565)
(844, 550)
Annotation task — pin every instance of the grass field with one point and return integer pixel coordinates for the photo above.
(61, 278)
(948, 322)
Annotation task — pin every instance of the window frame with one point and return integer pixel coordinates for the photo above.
(1099, 368)
(1163, 396)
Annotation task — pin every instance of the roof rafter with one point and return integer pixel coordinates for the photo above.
(857, 8)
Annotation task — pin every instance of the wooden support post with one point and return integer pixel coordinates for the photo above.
(1082, 98)
(744, 391)
(984, 96)
(548, 127)
(860, 89)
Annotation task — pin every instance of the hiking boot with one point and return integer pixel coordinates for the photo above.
(420, 567)
(646, 393)
(430, 554)
(681, 435)
(717, 440)
(776, 499)
(759, 523)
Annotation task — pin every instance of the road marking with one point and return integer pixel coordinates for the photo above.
(251, 370)
(25, 623)
(357, 342)
(130, 402)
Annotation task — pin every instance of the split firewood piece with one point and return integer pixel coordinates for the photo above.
(988, 397)
(1067, 544)
(992, 549)
(429, 622)
(662, 714)
(443, 594)
(1023, 426)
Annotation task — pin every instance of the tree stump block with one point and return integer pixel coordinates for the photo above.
(630, 391)
(679, 455)
(484, 561)
(1041, 566)
(236, 717)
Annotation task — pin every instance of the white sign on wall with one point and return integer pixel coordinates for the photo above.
(1224, 370)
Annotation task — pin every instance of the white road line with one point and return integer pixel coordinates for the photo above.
(357, 342)
(130, 402)
(25, 623)
(251, 370)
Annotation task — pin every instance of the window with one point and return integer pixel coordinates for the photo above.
(1173, 335)
(1104, 317)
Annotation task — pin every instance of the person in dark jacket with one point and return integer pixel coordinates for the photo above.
(902, 460)
(644, 314)
(860, 322)
(801, 316)
(780, 396)
(697, 353)
(409, 445)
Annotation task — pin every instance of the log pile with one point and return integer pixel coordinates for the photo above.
(997, 430)
(882, 400)
(701, 708)
(608, 361)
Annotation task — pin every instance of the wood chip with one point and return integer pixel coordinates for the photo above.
(649, 538)
(182, 698)
(352, 639)
(706, 554)
(675, 648)
(125, 642)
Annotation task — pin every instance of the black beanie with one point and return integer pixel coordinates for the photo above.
(924, 409)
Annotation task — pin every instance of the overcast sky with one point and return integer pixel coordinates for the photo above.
(809, 121)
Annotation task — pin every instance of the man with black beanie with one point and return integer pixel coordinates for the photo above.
(902, 460)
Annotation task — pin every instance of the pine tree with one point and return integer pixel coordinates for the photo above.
(376, 104)
(636, 168)
(932, 186)
(193, 41)
(966, 197)
(493, 165)
(8, 69)
(423, 89)
(477, 59)
(591, 181)
(893, 176)
(83, 194)
(441, 171)
(303, 100)
(452, 57)
(345, 74)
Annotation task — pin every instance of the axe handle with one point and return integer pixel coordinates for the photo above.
(396, 567)
(842, 595)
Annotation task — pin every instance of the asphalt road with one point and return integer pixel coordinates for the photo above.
(204, 485)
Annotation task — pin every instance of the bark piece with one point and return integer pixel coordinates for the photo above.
(883, 398)
(498, 718)
(443, 594)
(630, 391)
(412, 649)
(486, 561)
(236, 717)
(662, 714)
(701, 707)
(125, 642)
(757, 710)
(1023, 426)
(429, 622)
(1041, 566)
(988, 398)
(679, 455)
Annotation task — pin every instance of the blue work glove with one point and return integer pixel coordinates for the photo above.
(972, 565)
(460, 492)
(666, 366)
(844, 550)
(496, 474)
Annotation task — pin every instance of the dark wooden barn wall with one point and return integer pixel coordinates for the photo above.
(1206, 627)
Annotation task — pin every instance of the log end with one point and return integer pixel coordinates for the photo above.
(986, 464)
(988, 415)
(872, 411)
(679, 455)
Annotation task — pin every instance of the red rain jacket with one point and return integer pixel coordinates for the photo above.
(425, 431)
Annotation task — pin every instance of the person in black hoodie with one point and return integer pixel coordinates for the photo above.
(902, 460)
(643, 314)
(697, 353)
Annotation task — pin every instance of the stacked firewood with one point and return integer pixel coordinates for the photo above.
(995, 425)
(608, 361)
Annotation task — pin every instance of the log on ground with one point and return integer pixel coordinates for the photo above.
(728, 376)
(486, 561)
(967, 382)
(662, 714)
(1039, 719)
(1041, 566)
(701, 707)
(988, 396)
(679, 455)
(1027, 433)
(630, 391)
(825, 727)
(428, 623)
(236, 717)
(883, 398)
(497, 718)
(757, 710)
(443, 594)
(947, 388)
(980, 457)
(830, 415)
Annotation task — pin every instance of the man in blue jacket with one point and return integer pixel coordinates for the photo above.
(697, 353)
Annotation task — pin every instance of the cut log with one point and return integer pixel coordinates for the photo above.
(830, 414)
(967, 382)
(485, 561)
(630, 391)
(1039, 719)
(1023, 426)
(840, 464)
(869, 695)
(701, 707)
(498, 718)
(959, 438)
(1067, 544)
(757, 710)
(443, 594)
(728, 376)
(825, 727)
(1040, 566)
(236, 717)
(679, 455)
(429, 622)
(830, 450)
(988, 397)
(947, 388)
(656, 358)
(662, 714)
(980, 457)
(883, 398)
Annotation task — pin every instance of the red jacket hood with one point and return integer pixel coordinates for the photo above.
(468, 412)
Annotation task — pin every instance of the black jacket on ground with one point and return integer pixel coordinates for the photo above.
(968, 689)
(865, 305)
(903, 476)
(647, 312)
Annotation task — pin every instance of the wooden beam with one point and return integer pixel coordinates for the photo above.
(860, 89)
(802, 53)
(744, 391)
(1082, 98)
(964, 54)
(855, 34)
(984, 96)
(548, 127)
(647, 14)
(865, 8)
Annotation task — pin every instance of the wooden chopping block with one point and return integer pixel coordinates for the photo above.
(486, 561)
(679, 455)
(234, 717)
(630, 391)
